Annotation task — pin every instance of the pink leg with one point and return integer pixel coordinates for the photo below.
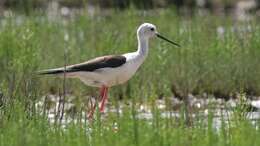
(93, 107)
(103, 101)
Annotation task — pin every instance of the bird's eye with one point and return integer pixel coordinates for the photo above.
(152, 29)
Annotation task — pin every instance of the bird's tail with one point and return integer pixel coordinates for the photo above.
(56, 71)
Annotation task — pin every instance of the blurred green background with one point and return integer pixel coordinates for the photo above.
(172, 98)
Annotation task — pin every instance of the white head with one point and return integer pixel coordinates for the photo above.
(148, 30)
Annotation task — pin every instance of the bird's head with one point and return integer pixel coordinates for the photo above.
(148, 30)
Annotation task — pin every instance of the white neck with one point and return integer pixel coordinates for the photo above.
(143, 47)
(137, 58)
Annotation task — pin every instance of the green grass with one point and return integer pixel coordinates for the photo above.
(17, 129)
(206, 63)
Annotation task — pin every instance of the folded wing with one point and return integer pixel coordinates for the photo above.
(111, 61)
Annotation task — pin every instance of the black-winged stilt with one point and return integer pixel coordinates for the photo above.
(107, 71)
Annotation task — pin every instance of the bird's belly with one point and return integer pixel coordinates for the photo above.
(120, 79)
(108, 76)
(119, 76)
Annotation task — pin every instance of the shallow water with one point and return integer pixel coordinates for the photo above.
(200, 110)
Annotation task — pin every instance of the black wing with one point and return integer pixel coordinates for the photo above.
(111, 61)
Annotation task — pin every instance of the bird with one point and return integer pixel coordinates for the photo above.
(110, 70)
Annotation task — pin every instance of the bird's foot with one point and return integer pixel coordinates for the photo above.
(90, 116)
(102, 109)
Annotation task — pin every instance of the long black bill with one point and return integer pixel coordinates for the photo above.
(164, 38)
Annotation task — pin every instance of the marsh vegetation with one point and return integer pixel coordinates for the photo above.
(219, 58)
